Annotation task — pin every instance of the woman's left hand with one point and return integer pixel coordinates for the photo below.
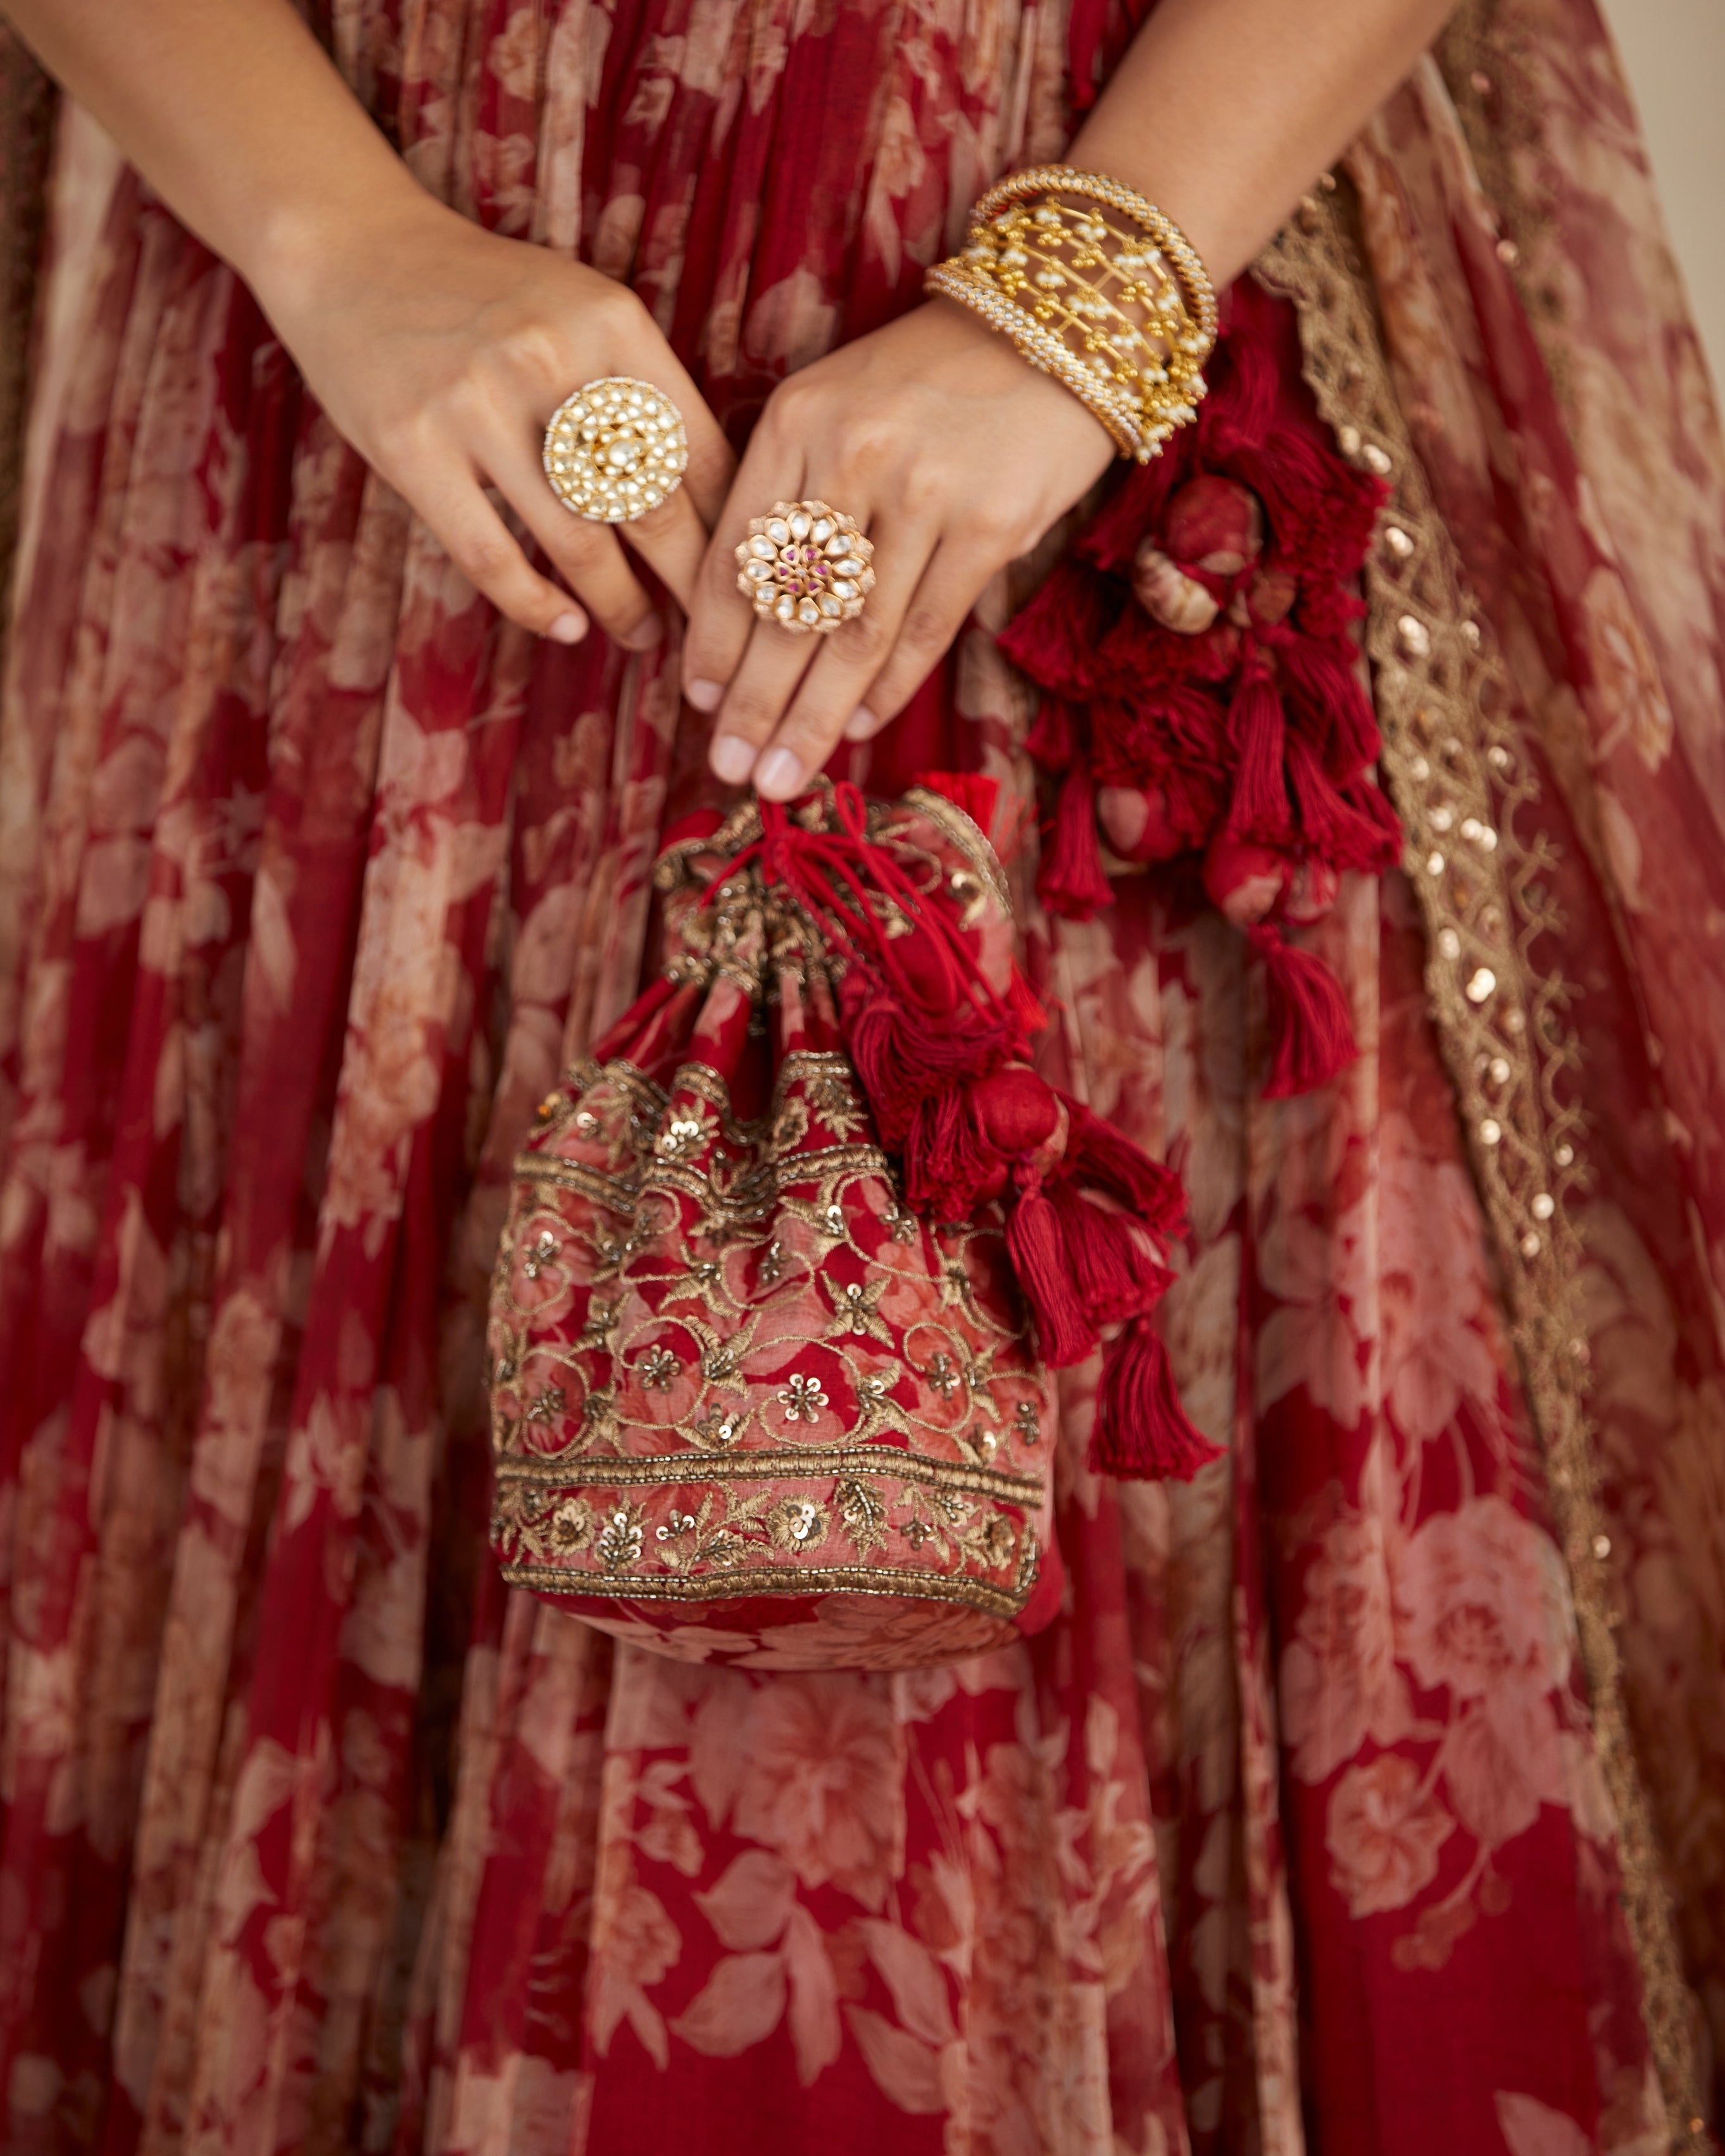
(954, 456)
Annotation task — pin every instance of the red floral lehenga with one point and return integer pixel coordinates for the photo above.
(1316, 1819)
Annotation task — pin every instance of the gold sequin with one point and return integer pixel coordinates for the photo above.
(1452, 667)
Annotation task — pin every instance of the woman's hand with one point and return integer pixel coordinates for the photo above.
(441, 350)
(954, 456)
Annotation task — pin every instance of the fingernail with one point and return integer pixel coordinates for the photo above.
(567, 628)
(705, 696)
(645, 633)
(731, 757)
(861, 723)
(778, 775)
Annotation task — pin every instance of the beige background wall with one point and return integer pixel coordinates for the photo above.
(1674, 51)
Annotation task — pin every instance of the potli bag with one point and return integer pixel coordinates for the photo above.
(788, 1261)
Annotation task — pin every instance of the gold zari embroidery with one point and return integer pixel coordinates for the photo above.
(1451, 763)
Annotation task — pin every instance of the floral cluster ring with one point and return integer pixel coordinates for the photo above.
(805, 565)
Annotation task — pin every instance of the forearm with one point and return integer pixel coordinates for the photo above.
(1224, 111)
(234, 113)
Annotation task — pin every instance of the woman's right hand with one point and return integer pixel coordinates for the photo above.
(440, 351)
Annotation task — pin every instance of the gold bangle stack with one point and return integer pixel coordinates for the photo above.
(1119, 313)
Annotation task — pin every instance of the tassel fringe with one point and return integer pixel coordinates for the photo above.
(1256, 731)
(1143, 1433)
(1310, 1029)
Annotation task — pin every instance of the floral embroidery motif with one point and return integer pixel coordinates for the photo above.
(797, 1524)
(681, 1137)
(855, 1305)
(660, 1369)
(803, 1399)
(943, 1375)
(716, 1427)
(620, 1539)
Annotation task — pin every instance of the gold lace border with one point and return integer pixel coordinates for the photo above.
(1451, 762)
(879, 1463)
(903, 1584)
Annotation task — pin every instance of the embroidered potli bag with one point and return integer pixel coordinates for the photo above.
(789, 1259)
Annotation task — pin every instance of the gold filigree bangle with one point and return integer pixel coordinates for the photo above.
(1123, 319)
(1112, 194)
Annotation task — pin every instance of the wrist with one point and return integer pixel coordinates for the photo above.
(307, 243)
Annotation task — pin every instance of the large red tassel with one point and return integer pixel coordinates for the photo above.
(1055, 639)
(949, 1163)
(1310, 1029)
(1071, 882)
(1096, 1152)
(1326, 681)
(1142, 1434)
(1259, 734)
(1337, 833)
(1037, 1251)
(1115, 1275)
(904, 1057)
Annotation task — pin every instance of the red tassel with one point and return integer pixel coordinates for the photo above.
(1238, 412)
(949, 1164)
(1040, 1258)
(1055, 639)
(902, 1059)
(1071, 882)
(1096, 1152)
(1259, 734)
(1142, 1434)
(1374, 807)
(1323, 678)
(1116, 1276)
(1333, 829)
(1311, 1032)
(1052, 740)
(1022, 1001)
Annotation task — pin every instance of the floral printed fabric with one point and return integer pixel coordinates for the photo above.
(1290, 1831)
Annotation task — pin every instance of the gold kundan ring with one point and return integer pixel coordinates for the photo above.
(805, 565)
(615, 449)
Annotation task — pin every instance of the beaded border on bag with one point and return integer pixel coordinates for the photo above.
(1450, 761)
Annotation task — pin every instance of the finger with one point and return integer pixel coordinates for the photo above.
(712, 461)
(673, 540)
(954, 579)
(721, 620)
(672, 537)
(478, 543)
(774, 661)
(849, 662)
(585, 551)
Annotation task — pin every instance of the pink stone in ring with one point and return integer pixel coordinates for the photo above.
(788, 567)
